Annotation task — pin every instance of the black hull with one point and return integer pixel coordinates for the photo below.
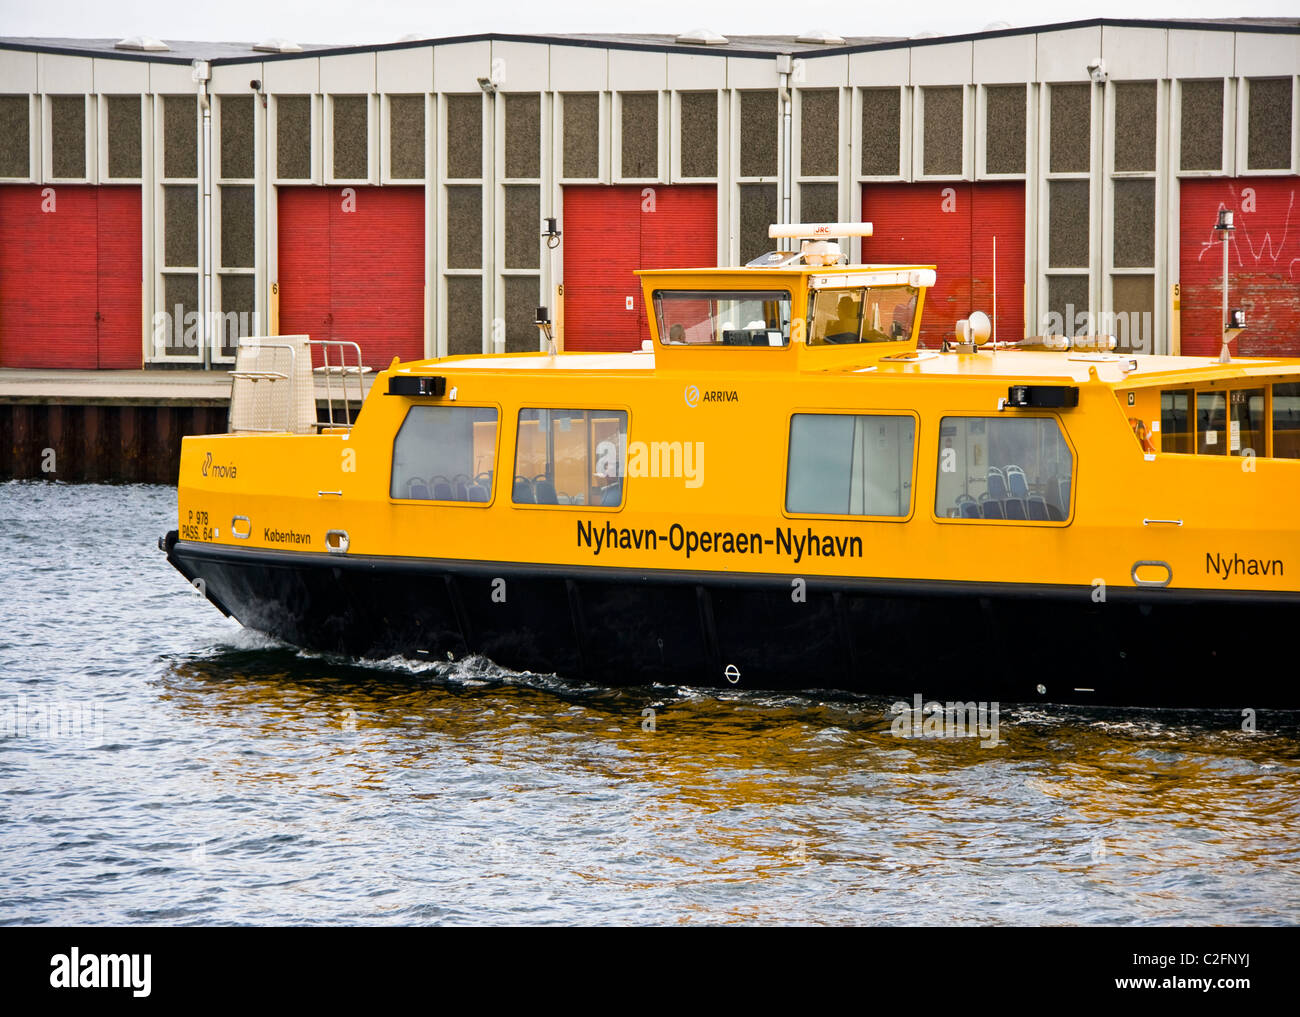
(945, 641)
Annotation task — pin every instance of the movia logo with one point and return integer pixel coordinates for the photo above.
(694, 396)
(216, 469)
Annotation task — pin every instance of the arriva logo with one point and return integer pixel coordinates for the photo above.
(216, 469)
(694, 396)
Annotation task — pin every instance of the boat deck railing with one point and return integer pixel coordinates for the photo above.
(273, 388)
(344, 371)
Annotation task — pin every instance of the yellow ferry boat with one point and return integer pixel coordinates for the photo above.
(781, 491)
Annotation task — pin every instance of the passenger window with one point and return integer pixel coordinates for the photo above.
(1176, 410)
(1211, 423)
(1015, 468)
(1286, 420)
(1246, 429)
(445, 453)
(570, 457)
(850, 465)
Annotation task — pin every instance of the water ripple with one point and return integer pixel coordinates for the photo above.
(222, 777)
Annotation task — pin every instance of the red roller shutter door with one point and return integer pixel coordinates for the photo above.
(352, 267)
(952, 226)
(70, 268)
(609, 233)
(681, 232)
(118, 278)
(1263, 265)
(304, 261)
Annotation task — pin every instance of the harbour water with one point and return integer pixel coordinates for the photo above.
(161, 765)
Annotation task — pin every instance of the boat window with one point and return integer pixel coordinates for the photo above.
(1246, 428)
(445, 453)
(850, 465)
(570, 457)
(858, 314)
(1176, 409)
(1286, 420)
(1211, 423)
(1009, 468)
(723, 317)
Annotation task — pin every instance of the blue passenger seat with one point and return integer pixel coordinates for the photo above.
(1016, 483)
(967, 507)
(990, 507)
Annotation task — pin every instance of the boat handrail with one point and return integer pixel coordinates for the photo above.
(343, 369)
(290, 407)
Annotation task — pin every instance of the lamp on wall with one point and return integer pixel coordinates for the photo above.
(552, 234)
(543, 323)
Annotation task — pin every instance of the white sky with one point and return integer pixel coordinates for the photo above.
(366, 21)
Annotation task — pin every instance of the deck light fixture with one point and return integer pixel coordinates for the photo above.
(1236, 324)
(1046, 397)
(418, 385)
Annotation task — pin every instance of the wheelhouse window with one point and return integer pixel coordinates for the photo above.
(1010, 468)
(1286, 420)
(843, 465)
(445, 453)
(570, 457)
(861, 314)
(723, 317)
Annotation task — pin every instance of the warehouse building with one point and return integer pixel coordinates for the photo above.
(159, 200)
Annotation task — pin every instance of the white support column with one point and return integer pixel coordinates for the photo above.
(548, 200)
(202, 74)
(1098, 196)
(492, 196)
(148, 194)
(726, 181)
(435, 335)
(1164, 221)
(264, 259)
